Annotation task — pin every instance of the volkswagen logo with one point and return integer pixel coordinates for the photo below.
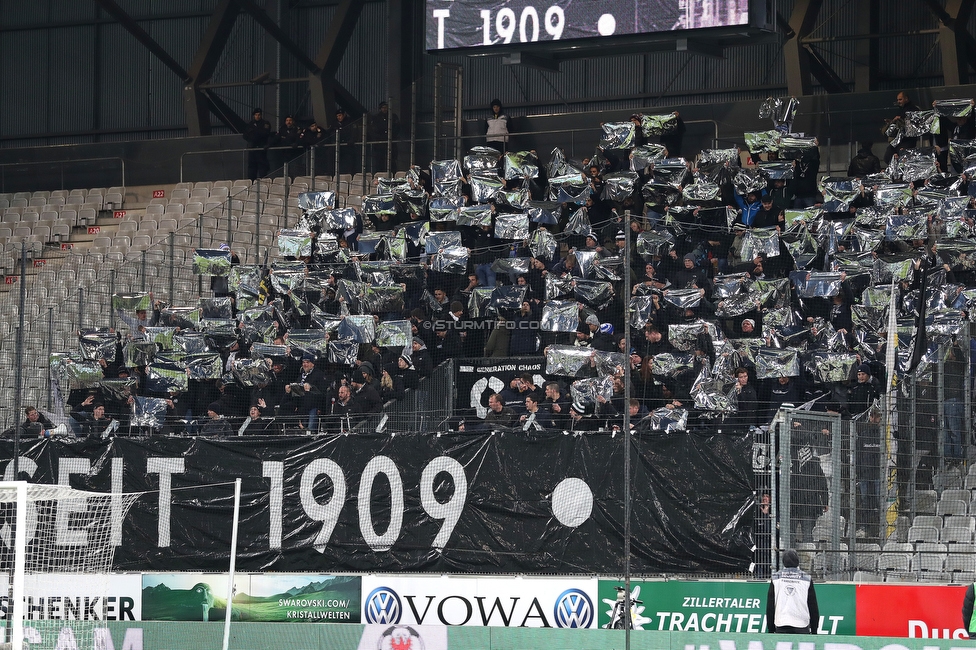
(383, 607)
(573, 609)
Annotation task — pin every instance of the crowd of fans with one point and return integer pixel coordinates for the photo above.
(755, 284)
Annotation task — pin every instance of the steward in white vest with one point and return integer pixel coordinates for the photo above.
(791, 604)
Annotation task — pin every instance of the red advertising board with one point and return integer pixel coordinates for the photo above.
(920, 612)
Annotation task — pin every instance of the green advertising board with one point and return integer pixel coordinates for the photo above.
(719, 607)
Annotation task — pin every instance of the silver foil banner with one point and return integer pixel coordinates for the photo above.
(667, 364)
(378, 205)
(619, 186)
(893, 195)
(190, 342)
(749, 179)
(711, 394)
(211, 308)
(312, 342)
(645, 155)
(317, 200)
(683, 298)
(516, 265)
(826, 367)
(359, 328)
(905, 227)
(474, 215)
(760, 241)
(668, 420)
(776, 170)
(131, 302)
(246, 278)
(484, 187)
(479, 301)
(437, 241)
(204, 366)
(892, 268)
(383, 299)
(251, 372)
(671, 171)
(567, 360)
(98, 345)
(780, 111)
(453, 259)
(518, 199)
(839, 192)
(148, 412)
(542, 244)
(913, 165)
(559, 316)
(395, 333)
(520, 165)
(762, 141)
(482, 159)
(579, 223)
(660, 124)
(953, 107)
(342, 352)
(443, 208)
(816, 284)
(559, 165)
(652, 243)
(960, 254)
(684, 336)
(512, 225)
(718, 156)
(214, 262)
(557, 287)
(295, 243)
(610, 364)
(543, 212)
(167, 375)
(445, 171)
(962, 152)
(795, 147)
(918, 123)
(618, 135)
(571, 188)
(702, 191)
(772, 363)
(586, 391)
(594, 293)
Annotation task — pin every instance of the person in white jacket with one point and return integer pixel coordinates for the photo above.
(791, 604)
(497, 135)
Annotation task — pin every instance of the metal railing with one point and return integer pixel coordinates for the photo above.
(25, 176)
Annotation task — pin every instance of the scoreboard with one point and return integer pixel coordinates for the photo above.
(504, 24)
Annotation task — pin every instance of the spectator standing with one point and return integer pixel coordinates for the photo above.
(257, 134)
(380, 124)
(968, 620)
(497, 134)
(345, 139)
(289, 135)
(791, 602)
(905, 105)
(864, 162)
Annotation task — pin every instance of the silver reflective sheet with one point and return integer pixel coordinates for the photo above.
(713, 395)
(118, 389)
(609, 268)
(918, 123)
(683, 336)
(953, 208)
(762, 141)
(795, 217)
(867, 240)
(872, 216)
(516, 265)
(258, 324)
(245, 278)
(190, 342)
(594, 293)
(567, 360)
(760, 241)
(512, 225)
(311, 342)
(131, 302)
(295, 243)
(484, 187)
(729, 284)
(718, 156)
(542, 244)
(441, 240)
(586, 391)
(671, 365)
(361, 329)
(342, 352)
(482, 159)
(668, 420)
(148, 412)
(97, 344)
(317, 200)
(905, 226)
(645, 155)
(211, 308)
(794, 147)
(182, 317)
(962, 151)
(208, 261)
(618, 135)
(702, 191)
(641, 310)
(671, 171)
(377, 205)
(416, 232)
(683, 298)
(413, 201)
(453, 259)
(559, 165)
(776, 170)
(327, 246)
(659, 124)
(825, 367)
(579, 223)
(557, 287)
(654, 242)
(478, 302)
(892, 268)
(80, 374)
(953, 107)
(780, 317)
(948, 322)
(474, 215)
(139, 353)
(773, 362)
(518, 199)
(167, 376)
(914, 165)
(559, 316)
(162, 337)
(382, 299)
(839, 192)
(204, 366)
(749, 179)
(445, 171)
(610, 364)
(520, 165)
(619, 186)
(353, 294)
(543, 212)
(736, 305)
(251, 372)
(772, 294)
(585, 259)
(817, 284)
(443, 208)
(395, 333)
(572, 188)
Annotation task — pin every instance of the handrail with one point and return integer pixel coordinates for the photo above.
(61, 163)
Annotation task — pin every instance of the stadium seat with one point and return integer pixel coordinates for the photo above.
(918, 534)
(960, 562)
(929, 557)
(866, 556)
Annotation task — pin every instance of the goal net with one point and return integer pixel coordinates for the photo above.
(56, 550)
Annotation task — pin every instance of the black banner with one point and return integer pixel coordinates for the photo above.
(454, 503)
(477, 379)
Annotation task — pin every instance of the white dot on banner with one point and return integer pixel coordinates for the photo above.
(607, 25)
(572, 502)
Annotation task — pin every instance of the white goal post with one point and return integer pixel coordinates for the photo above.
(47, 531)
